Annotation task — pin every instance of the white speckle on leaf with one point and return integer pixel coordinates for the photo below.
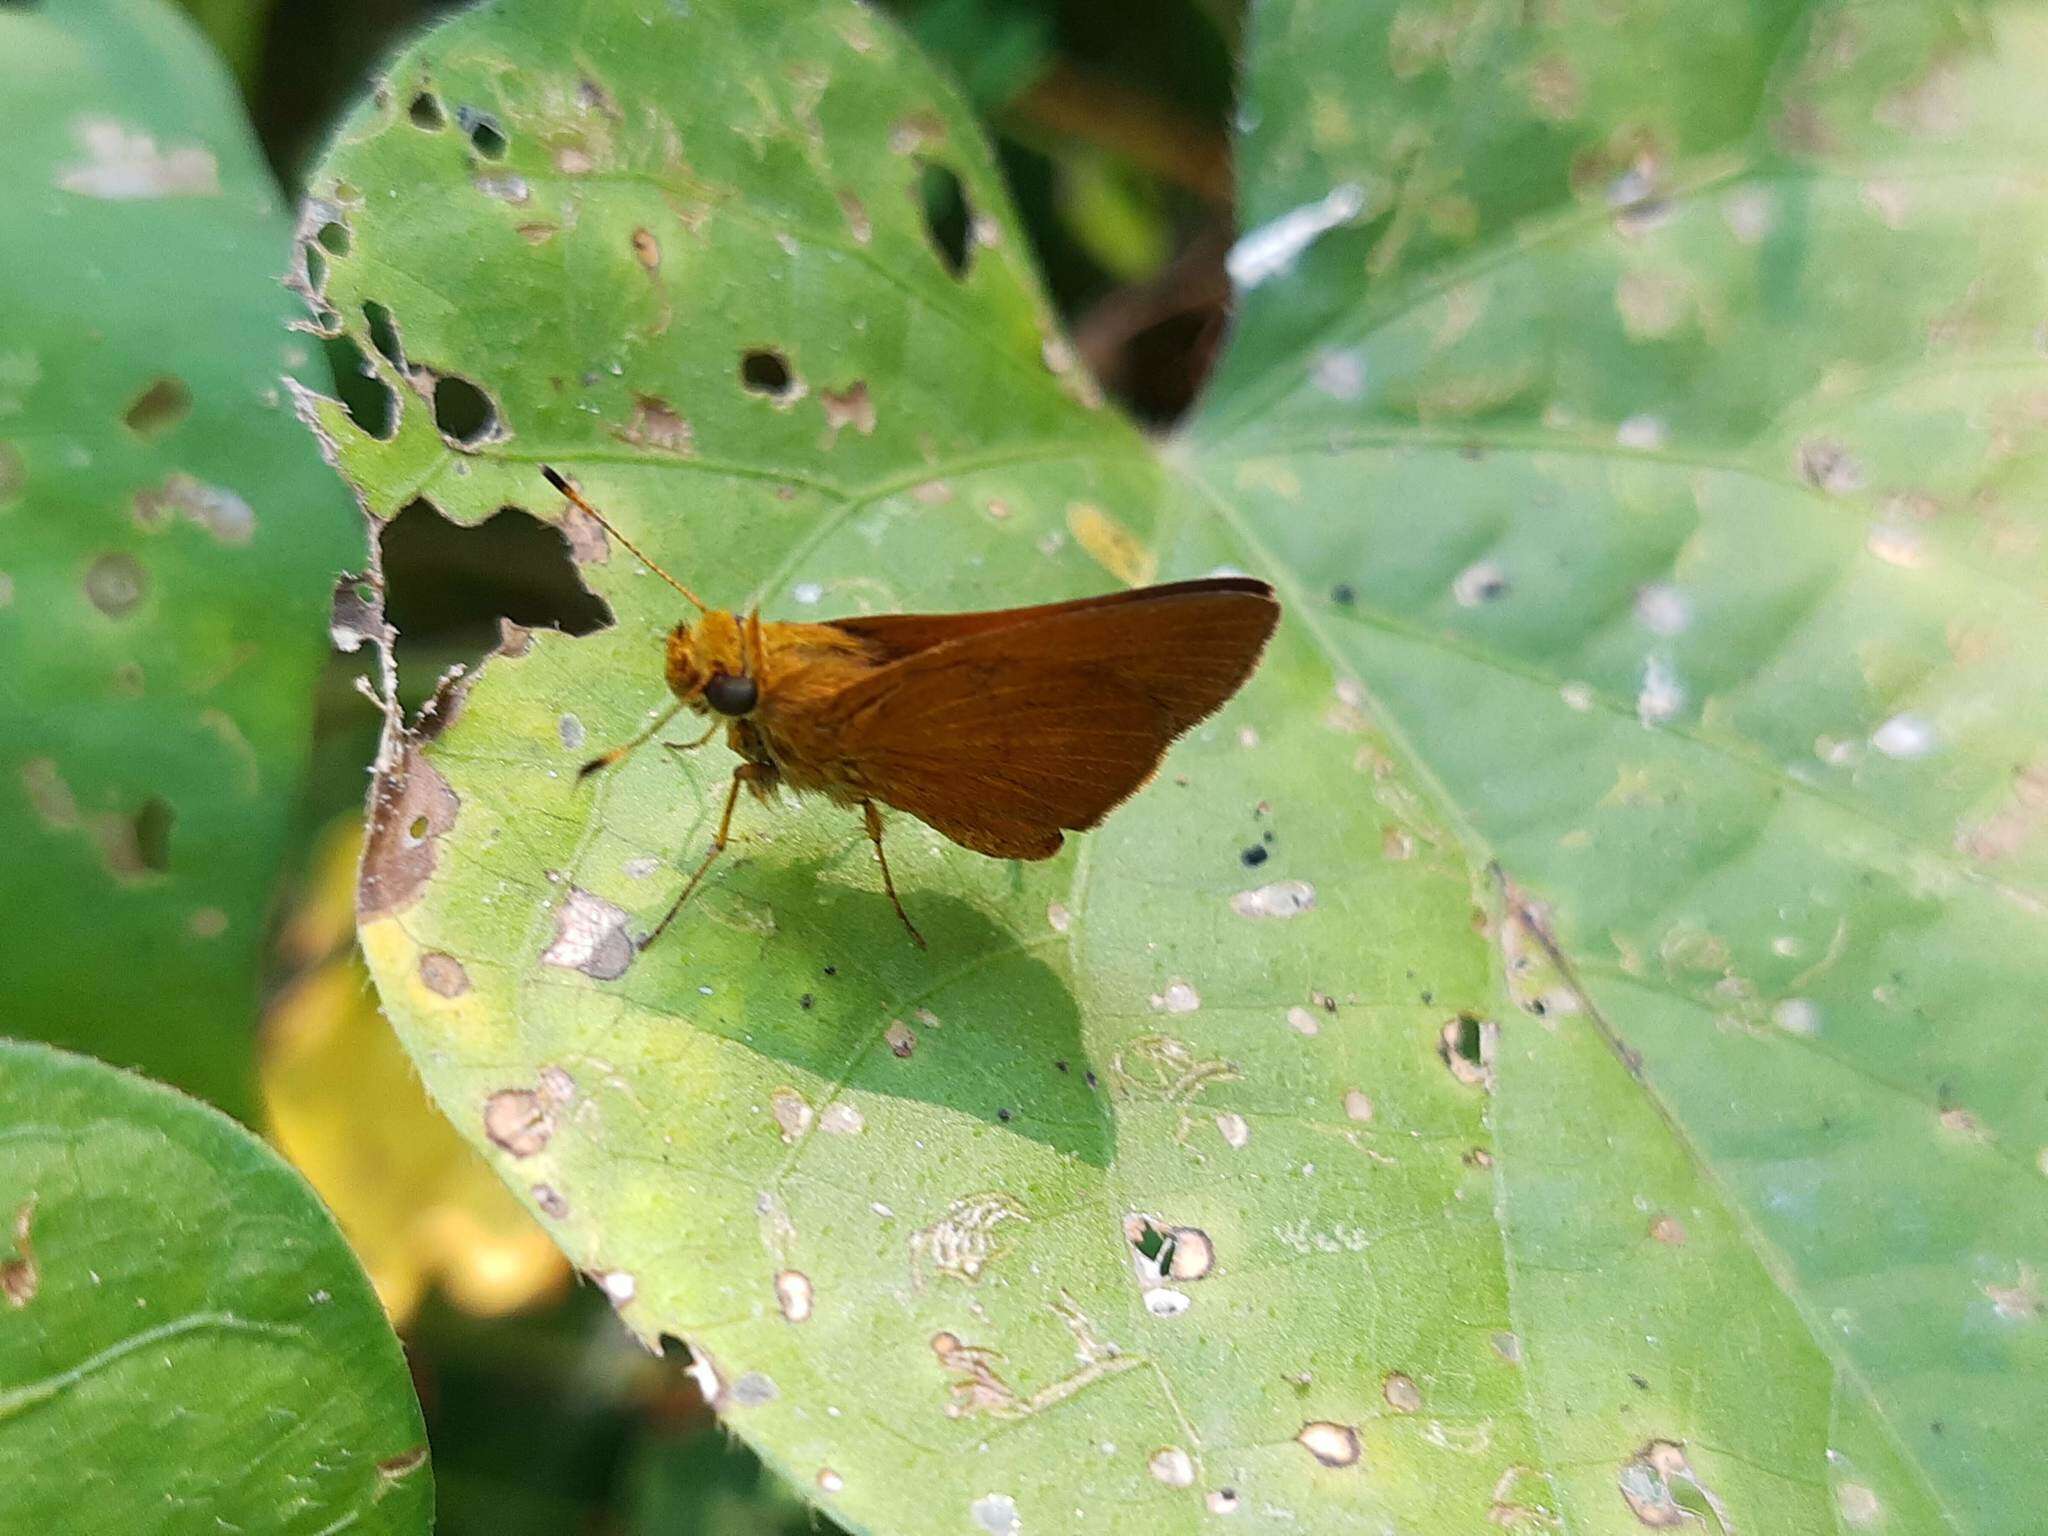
(1060, 918)
(619, 1285)
(1401, 1393)
(1275, 246)
(591, 937)
(829, 1481)
(842, 1119)
(1644, 432)
(1356, 1105)
(792, 1114)
(1178, 997)
(218, 510)
(124, 165)
(1172, 1466)
(807, 592)
(1859, 1506)
(1749, 214)
(1662, 695)
(996, 1513)
(753, 1390)
(1236, 1132)
(1577, 696)
(1797, 1016)
(900, 1038)
(1303, 1022)
(794, 1295)
(1334, 1445)
(1283, 898)
(1828, 466)
(570, 730)
(1480, 583)
(1905, 737)
(1902, 547)
(1662, 609)
(1247, 738)
(1164, 1301)
(506, 189)
(1339, 372)
(701, 1371)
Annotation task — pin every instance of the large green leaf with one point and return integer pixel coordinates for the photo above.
(1552, 1053)
(188, 1343)
(167, 544)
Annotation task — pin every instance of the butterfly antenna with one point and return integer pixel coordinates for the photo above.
(576, 499)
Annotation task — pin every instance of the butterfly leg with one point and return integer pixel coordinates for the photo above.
(691, 746)
(746, 773)
(624, 749)
(874, 821)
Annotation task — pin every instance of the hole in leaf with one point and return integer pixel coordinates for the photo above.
(947, 217)
(466, 415)
(371, 403)
(447, 587)
(765, 371)
(485, 136)
(158, 408)
(1462, 1038)
(1154, 1246)
(315, 261)
(153, 834)
(384, 333)
(426, 112)
(334, 238)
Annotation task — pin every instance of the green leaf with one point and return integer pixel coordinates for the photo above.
(167, 542)
(1501, 1071)
(189, 1345)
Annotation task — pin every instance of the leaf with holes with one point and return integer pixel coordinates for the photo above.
(1554, 1052)
(167, 543)
(189, 1345)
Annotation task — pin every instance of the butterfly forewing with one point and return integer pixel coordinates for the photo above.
(1001, 730)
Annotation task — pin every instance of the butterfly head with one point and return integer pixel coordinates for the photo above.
(707, 667)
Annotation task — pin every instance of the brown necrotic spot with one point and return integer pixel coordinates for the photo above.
(411, 808)
(658, 425)
(443, 974)
(550, 1200)
(160, 407)
(647, 249)
(1401, 1393)
(591, 937)
(517, 1120)
(851, 407)
(404, 1464)
(19, 1277)
(115, 584)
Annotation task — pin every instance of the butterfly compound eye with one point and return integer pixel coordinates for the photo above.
(731, 695)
